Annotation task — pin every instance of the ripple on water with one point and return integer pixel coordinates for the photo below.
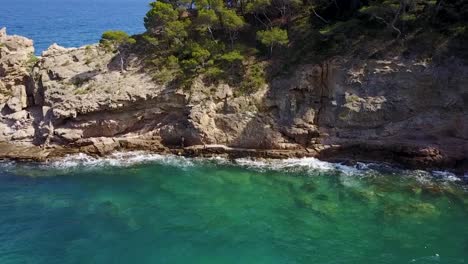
(311, 166)
(147, 208)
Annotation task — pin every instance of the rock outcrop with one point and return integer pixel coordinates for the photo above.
(412, 112)
(16, 62)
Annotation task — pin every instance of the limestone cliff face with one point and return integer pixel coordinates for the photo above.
(15, 84)
(392, 109)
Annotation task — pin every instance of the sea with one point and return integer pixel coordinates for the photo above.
(71, 23)
(147, 208)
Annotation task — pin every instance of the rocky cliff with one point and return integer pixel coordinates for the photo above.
(407, 111)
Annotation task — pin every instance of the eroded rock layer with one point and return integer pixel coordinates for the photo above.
(407, 111)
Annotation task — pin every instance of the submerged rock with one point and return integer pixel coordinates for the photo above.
(410, 210)
(362, 195)
(309, 187)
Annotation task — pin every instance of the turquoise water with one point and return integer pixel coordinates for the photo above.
(153, 209)
(70, 23)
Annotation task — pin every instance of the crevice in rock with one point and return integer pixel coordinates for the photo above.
(323, 88)
(30, 87)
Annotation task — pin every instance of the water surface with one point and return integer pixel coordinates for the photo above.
(154, 209)
(70, 23)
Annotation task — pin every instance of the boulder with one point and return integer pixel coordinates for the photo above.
(14, 104)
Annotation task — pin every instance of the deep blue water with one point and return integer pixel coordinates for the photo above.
(70, 23)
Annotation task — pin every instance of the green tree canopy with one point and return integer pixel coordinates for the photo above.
(116, 38)
(159, 16)
(232, 56)
(273, 37)
(219, 38)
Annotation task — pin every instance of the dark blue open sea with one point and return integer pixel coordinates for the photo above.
(70, 23)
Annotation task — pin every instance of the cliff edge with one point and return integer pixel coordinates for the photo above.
(388, 109)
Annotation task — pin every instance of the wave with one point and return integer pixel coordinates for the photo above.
(310, 166)
(119, 159)
(125, 159)
(294, 164)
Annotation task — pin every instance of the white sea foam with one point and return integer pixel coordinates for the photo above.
(294, 164)
(307, 165)
(123, 159)
(313, 166)
(119, 159)
(7, 163)
(445, 175)
(431, 177)
(311, 163)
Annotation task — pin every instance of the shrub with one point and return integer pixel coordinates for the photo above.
(32, 61)
(254, 79)
(116, 38)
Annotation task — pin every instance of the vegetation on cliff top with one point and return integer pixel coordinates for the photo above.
(245, 42)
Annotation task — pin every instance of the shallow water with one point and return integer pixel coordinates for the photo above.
(154, 209)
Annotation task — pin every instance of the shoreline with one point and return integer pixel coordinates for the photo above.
(346, 155)
(74, 101)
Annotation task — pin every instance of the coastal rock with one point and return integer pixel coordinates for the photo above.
(14, 104)
(69, 135)
(16, 60)
(54, 50)
(17, 45)
(391, 109)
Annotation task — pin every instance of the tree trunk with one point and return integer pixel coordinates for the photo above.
(211, 33)
(401, 9)
(259, 20)
(231, 38)
(320, 17)
(437, 9)
(269, 20)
